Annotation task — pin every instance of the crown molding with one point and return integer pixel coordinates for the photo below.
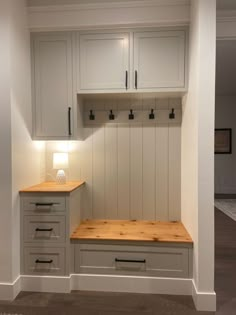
(109, 14)
(108, 5)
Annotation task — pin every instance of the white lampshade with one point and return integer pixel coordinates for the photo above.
(60, 161)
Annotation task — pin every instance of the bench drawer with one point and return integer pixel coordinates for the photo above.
(134, 260)
(44, 261)
(42, 228)
(44, 204)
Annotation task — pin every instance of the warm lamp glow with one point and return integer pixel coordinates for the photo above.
(60, 162)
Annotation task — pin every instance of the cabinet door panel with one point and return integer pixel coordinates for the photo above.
(53, 84)
(159, 59)
(104, 60)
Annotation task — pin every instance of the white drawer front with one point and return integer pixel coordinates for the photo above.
(116, 259)
(44, 261)
(42, 228)
(44, 204)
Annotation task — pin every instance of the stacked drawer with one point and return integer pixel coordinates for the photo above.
(44, 234)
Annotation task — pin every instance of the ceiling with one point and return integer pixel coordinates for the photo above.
(226, 67)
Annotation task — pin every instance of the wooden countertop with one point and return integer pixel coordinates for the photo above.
(131, 230)
(53, 187)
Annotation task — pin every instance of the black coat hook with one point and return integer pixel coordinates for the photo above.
(91, 115)
(152, 115)
(111, 115)
(172, 114)
(131, 115)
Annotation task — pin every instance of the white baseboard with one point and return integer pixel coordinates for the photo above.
(46, 284)
(9, 291)
(113, 283)
(204, 301)
(225, 190)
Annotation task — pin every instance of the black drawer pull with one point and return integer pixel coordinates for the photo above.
(140, 261)
(136, 79)
(69, 121)
(37, 261)
(45, 204)
(43, 230)
(126, 80)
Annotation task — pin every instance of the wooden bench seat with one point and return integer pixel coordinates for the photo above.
(132, 230)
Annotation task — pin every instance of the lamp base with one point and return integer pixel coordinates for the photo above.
(61, 177)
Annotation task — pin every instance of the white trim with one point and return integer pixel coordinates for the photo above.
(204, 301)
(46, 284)
(132, 284)
(9, 291)
(225, 189)
(91, 27)
(143, 13)
(108, 5)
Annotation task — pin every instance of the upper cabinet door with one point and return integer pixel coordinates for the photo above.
(52, 76)
(103, 61)
(159, 59)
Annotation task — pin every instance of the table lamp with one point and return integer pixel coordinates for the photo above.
(60, 162)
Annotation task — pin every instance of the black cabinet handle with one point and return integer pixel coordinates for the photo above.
(44, 204)
(43, 230)
(136, 79)
(69, 121)
(38, 261)
(140, 261)
(172, 114)
(126, 80)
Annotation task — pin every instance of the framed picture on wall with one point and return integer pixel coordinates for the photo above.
(223, 141)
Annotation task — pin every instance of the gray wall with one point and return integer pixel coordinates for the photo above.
(225, 164)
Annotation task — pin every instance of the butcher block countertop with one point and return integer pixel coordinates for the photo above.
(132, 230)
(53, 187)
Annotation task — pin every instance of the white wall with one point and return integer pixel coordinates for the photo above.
(5, 143)
(198, 150)
(225, 164)
(21, 158)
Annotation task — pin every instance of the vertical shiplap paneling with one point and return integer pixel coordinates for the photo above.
(99, 173)
(123, 172)
(174, 172)
(136, 172)
(86, 159)
(132, 169)
(162, 180)
(111, 162)
(149, 177)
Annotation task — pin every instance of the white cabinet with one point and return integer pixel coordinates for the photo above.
(159, 59)
(103, 61)
(53, 86)
(131, 258)
(48, 217)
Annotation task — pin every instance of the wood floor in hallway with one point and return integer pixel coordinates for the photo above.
(98, 303)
